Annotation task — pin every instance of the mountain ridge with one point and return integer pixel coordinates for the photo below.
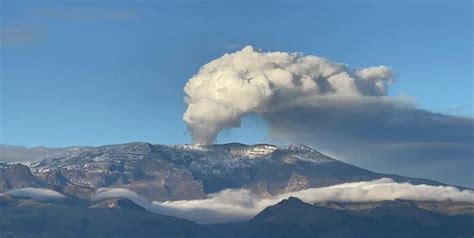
(175, 172)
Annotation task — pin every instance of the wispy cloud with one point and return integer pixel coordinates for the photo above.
(40, 194)
(463, 110)
(233, 46)
(15, 35)
(87, 13)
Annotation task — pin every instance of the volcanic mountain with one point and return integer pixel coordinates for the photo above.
(177, 172)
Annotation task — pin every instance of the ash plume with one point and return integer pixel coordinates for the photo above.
(344, 112)
(249, 81)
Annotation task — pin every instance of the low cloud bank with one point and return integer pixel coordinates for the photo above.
(380, 190)
(240, 204)
(39, 194)
(104, 193)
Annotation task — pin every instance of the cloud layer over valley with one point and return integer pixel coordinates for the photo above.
(241, 204)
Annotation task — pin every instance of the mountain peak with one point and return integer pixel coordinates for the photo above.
(118, 203)
(291, 201)
(293, 210)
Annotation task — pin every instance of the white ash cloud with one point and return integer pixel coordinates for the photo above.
(249, 81)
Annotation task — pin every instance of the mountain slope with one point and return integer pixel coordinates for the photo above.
(22, 218)
(160, 172)
(17, 176)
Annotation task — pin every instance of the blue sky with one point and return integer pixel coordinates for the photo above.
(86, 73)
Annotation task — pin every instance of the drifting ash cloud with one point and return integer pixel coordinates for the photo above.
(339, 110)
(240, 204)
(249, 81)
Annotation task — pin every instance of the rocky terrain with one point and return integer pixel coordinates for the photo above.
(176, 172)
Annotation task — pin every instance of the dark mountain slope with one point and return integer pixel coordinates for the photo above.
(17, 176)
(27, 218)
(290, 218)
(293, 218)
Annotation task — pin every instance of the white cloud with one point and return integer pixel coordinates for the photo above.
(240, 204)
(234, 205)
(103, 193)
(382, 189)
(40, 194)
